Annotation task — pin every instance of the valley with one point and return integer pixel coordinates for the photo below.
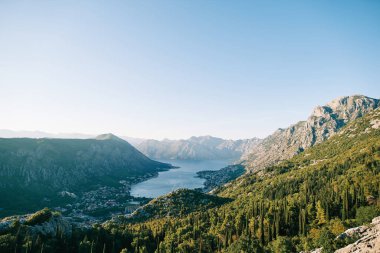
(190, 126)
(184, 176)
(122, 200)
(106, 202)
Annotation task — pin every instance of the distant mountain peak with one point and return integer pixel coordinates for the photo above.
(346, 107)
(347, 99)
(108, 136)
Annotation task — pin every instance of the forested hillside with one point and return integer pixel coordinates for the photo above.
(176, 204)
(300, 204)
(33, 172)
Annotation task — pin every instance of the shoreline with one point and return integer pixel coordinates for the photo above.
(186, 177)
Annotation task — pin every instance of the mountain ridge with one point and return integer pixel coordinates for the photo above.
(323, 123)
(197, 148)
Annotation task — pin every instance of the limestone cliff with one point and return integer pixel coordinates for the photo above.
(323, 123)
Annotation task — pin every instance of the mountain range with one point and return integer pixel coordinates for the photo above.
(299, 204)
(194, 148)
(256, 153)
(197, 148)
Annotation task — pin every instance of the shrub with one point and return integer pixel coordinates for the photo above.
(39, 217)
(283, 245)
(326, 241)
(365, 214)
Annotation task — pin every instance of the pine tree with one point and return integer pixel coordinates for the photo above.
(321, 216)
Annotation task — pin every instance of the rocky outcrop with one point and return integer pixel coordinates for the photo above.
(319, 250)
(197, 148)
(324, 122)
(51, 226)
(369, 241)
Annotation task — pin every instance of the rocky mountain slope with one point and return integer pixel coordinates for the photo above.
(369, 238)
(366, 238)
(323, 123)
(197, 148)
(35, 169)
(44, 223)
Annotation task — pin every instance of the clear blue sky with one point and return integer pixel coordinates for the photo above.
(156, 69)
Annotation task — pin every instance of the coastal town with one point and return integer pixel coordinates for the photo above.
(102, 203)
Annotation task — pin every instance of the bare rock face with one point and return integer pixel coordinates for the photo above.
(369, 241)
(323, 123)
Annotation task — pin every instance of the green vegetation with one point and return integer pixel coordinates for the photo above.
(217, 178)
(300, 204)
(365, 214)
(39, 217)
(178, 203)
(34, 171)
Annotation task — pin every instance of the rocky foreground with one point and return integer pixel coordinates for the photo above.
(369, 241)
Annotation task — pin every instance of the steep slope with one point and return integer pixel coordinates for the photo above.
(197, 148)
(32, 169)
(323, 123)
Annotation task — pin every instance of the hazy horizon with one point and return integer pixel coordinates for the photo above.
(175, 69)
(38, 133)
(80, 135)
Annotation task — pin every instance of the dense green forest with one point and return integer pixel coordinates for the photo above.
(177, 203)
(300, 204)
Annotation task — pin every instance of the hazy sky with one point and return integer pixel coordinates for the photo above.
(174, 69)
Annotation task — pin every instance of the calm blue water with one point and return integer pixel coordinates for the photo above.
(183, 177)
